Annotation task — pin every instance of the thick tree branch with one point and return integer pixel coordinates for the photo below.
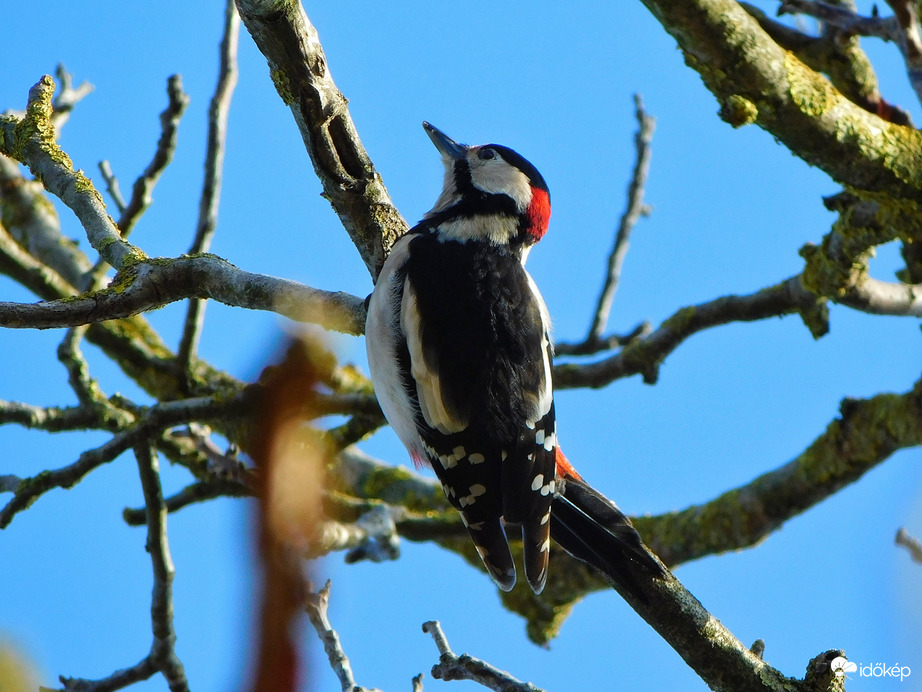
(866, 434)
(748, 72)
(299, 70)
(902, 28)
(32, 224)
(147, 284)
(837, 53)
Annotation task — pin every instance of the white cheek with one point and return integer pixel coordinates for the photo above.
(496, 177)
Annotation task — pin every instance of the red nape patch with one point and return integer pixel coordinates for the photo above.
(538, 213)
(564, 468)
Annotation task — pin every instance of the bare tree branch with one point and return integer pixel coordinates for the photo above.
(112, 187)
(142, 190)
(464, 667)
(299, 70)
(155, 419)
(317, 606)
(844, 17)
(635, 209)
(745, 68)
(200, 491)
(34, 231)
(214, 163)
(162, 657)
(68, 96)
(163, 651)
(84, 386)
(837, 53)
(866, 434)
(902, 28)
(151, 283)
(31, 141)
(911, 543)
(645, 355)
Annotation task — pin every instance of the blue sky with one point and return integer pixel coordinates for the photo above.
(731, 208)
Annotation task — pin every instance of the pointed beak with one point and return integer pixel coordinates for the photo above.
(447, 147)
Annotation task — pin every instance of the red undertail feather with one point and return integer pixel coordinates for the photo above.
(565, 468)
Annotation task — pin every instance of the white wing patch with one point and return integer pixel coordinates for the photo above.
(432, 404)
(544, 399)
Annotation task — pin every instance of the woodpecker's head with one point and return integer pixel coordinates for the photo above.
(490, 193)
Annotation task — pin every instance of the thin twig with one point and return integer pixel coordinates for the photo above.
(605, 343)
(142, 670)
(142, 190)
(157, 418)
(317, 606)
(78, 370)
(200, 491)
(162, 657)
(49, 418)
(112, 187)
(211, 187)
(464, 667)
(68, 96)
(911, 543)
(143, 187)
(645, 355)
(163, 650)
(635, 209)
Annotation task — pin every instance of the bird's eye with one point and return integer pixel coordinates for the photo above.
(486, 154)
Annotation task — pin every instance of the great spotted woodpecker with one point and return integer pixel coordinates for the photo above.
(460, 351)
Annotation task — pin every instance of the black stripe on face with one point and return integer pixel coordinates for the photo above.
(474, 202)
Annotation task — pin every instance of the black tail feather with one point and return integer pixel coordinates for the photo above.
(592, 529)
